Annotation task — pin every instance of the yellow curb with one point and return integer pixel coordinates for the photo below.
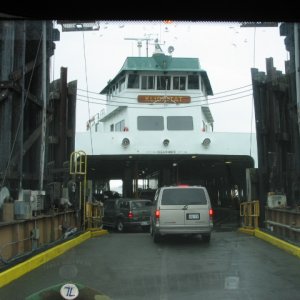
(96, 233)
(21, 269)
(246, 230)
(292, 249)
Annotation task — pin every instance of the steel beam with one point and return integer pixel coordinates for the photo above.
(7, 30)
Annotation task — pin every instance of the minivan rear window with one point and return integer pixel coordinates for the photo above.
(182, 196)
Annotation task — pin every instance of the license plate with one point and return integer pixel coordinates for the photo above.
(145, 223)
(193, 216)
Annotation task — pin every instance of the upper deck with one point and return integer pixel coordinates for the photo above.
(154, 86)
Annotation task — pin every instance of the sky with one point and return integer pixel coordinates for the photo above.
(226, 51)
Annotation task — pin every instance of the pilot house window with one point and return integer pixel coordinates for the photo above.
(193, 82)
(133, 81)
(148, 82)
(178, 83)
(163, 82)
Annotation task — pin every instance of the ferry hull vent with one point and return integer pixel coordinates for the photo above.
(166, 142)
(125, 142)
(206, 142)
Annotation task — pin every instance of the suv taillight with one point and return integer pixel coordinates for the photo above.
(211, 213)
(157, 214)
(130, 215)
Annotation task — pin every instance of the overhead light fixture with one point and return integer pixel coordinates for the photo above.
(206, 142)
(194, 156)
(166, 142)
(125, 142)
(228, 162)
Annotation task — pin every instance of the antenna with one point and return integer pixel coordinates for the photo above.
(139, 43)
(157, 46)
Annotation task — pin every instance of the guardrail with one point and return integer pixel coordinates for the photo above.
(249, 212)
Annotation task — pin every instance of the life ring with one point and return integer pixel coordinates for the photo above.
(125, 129)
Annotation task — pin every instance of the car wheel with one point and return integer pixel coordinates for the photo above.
(120, 226)
(206, 238)
(151, 229)
(155, 236)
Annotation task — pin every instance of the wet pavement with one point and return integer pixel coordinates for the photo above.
(130, 266)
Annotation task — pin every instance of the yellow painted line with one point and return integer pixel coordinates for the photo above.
(292, 249)
(19, 270)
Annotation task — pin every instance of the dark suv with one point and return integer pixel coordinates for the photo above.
(127, 212)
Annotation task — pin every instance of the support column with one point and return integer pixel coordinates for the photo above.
(127, 183)
(7, 32)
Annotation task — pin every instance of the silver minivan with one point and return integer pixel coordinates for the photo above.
(181, 210)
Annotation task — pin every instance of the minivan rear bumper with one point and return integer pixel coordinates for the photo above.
(183, 229)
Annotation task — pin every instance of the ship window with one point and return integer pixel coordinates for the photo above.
(163, 82)
(133, 81)
(202, 87)
(150, 123)
(193, 82)
(148, 82)
(204, 127)
(180, 123)
(120, 126)
(179, 83)
(122, 84)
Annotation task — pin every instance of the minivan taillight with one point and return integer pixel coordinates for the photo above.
(211, 213)
(157, 214)
(130, 215)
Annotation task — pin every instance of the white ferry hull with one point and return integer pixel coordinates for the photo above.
(180, 143)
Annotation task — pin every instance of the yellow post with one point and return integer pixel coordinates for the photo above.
(78, 166)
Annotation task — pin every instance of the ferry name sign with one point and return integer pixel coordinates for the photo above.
(163, 99)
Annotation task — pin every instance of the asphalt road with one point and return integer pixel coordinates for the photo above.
(131, 266)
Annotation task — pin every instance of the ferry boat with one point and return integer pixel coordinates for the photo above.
(158, 127)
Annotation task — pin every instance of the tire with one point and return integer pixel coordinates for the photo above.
(151, 229)
(155, 236)
(206, 238)
(120, 226)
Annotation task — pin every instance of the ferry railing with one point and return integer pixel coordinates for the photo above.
(249, 212)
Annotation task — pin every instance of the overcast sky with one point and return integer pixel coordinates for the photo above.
(226, 52)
